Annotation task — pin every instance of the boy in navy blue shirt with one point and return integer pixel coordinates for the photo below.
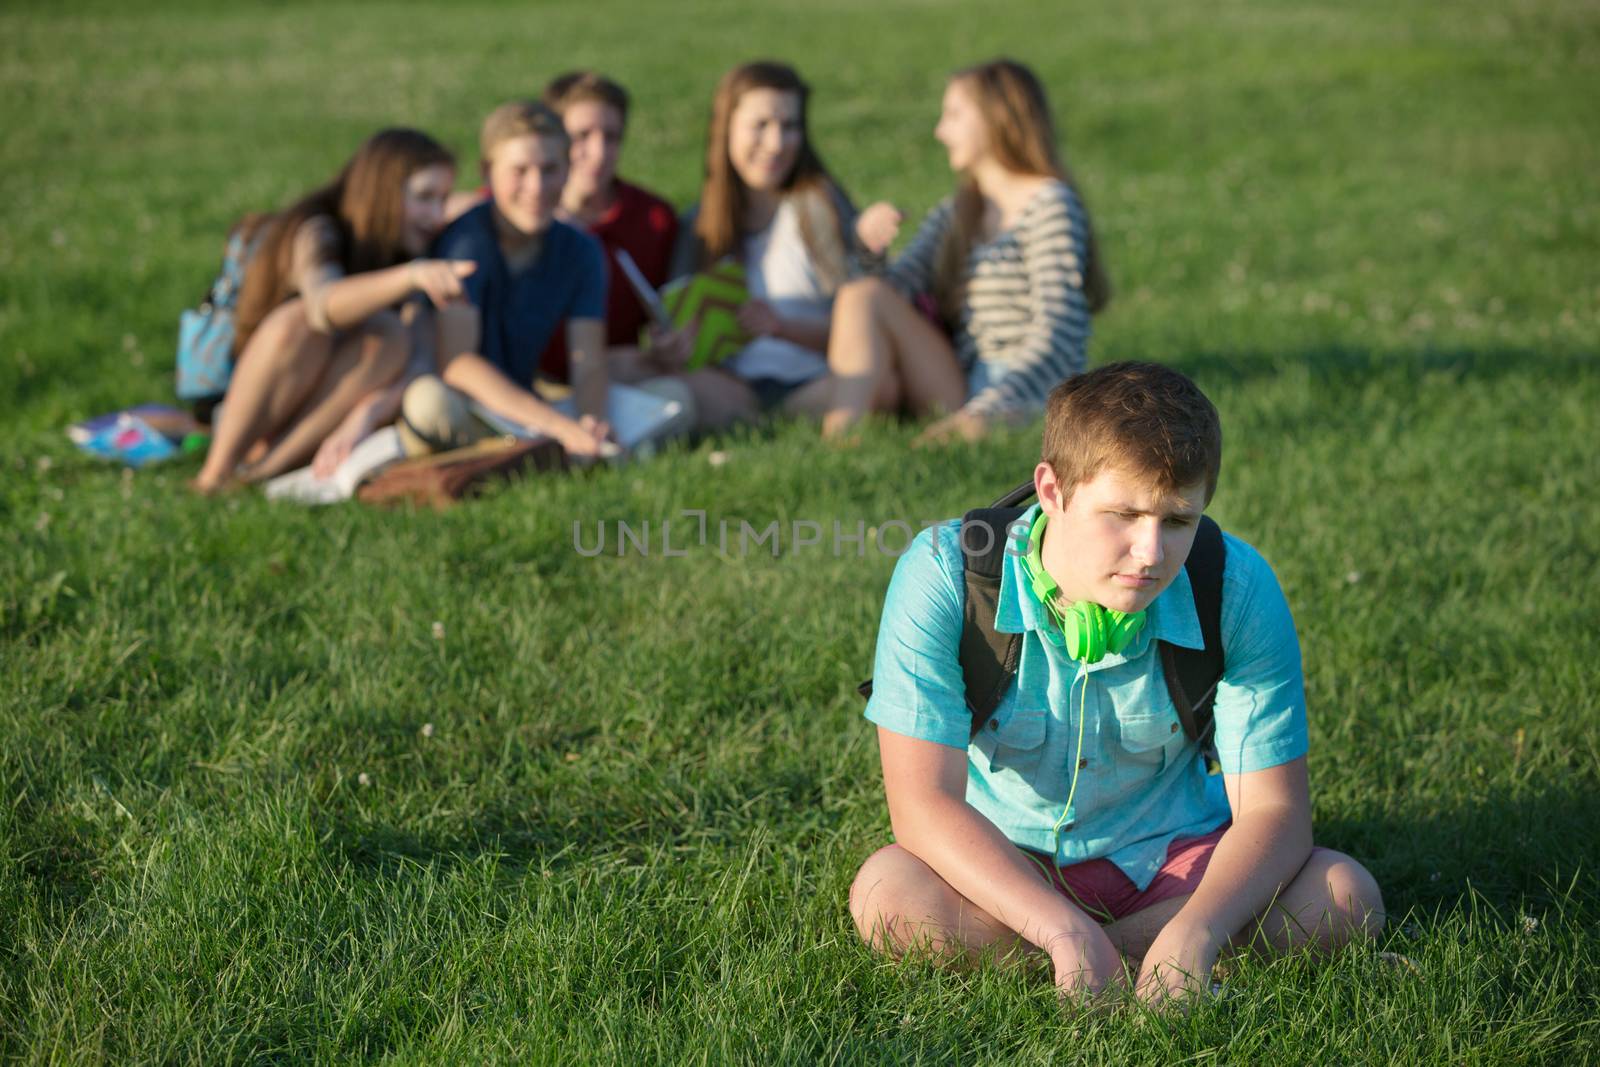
(532, 272)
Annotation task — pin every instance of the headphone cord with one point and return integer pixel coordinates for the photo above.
(1077, 759)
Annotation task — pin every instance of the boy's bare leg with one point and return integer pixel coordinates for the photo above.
(1133, 934)
(900, 904)
(1332, 901)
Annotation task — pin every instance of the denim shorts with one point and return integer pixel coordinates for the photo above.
(772, 392)
(981, 376)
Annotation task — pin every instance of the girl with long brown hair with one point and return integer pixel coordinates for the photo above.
(320, 348)
(1007, 272)
(768, 201)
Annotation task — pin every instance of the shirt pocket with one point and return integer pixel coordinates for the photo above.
(1149, 738)
(1015, 736)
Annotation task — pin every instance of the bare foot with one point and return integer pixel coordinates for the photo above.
(204, 486)
(249, 474)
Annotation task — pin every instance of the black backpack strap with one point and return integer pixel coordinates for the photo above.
(1193, 673)
(988, 658)
(1015, 498)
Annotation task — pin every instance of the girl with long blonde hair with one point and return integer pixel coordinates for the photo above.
(989, 305)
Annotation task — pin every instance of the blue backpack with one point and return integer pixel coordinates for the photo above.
(206, 333)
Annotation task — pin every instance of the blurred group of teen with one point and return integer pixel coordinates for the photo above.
(388, 296)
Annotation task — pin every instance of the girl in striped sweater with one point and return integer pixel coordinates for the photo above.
(1007, 266)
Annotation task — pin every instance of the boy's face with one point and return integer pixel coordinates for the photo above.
(525, 177)
(596, 131)
(1116, 541)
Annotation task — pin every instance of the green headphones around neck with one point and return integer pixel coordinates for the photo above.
(1089, 630)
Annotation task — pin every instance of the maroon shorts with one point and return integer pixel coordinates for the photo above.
(1101, 889)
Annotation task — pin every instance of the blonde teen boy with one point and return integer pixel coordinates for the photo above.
(1080, 822)
(532, 272)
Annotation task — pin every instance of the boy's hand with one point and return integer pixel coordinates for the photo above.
(1178, 965)
(1081, 963)
(598, 429)
(440, 279)
(590, 438)
(877, 226)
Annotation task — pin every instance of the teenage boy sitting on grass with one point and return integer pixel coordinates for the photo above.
(1080, 821)
(532, 272)
(622, 216)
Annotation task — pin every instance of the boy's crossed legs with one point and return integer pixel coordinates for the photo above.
(900, 904)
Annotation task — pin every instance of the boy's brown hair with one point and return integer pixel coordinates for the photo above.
(1143, 418)
(580, 85)
(520, 118)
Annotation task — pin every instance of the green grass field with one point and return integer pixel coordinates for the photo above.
(286, 785)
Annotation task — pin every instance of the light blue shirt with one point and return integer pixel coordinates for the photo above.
(1141, 782)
